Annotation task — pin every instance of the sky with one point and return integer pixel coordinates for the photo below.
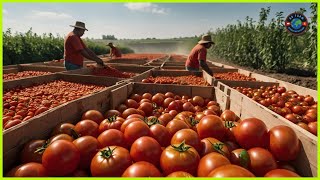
(135, 20)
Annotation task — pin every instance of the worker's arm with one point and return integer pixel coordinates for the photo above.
(88, 55)
(205, 67)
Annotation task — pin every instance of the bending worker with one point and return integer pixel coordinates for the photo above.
(114, 51)
(75, 49)
(198, 56)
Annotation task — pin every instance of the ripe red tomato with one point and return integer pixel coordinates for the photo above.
(261, 161)
(60, 137)
(127, 122)
(31, 169)
(112, 137)
(240, 157)
(214, 145)
(198, 101)
(230, 170)
(128, 112)
(147, 96)
(158, 99)
(179, 157)
(284, 143)
(228, 115)
(211, 126)
(110, 161)
(313, 128)
(136, 97)
(88, 147)
(251, 132)
(147, 108)
(64, 128)
(180, 174)
(175, 105)
(111, 113)
(146, 149)
(167, 101)
(281, 173)
(135, 130)
(175, 125)
(93, 115)
(130, 103)
(111, 123)
(61, 158)
(189, 136)
(209, 162)
(142, 169)
(32, 151)
(165, 118)
(87, 128)
(161, 134)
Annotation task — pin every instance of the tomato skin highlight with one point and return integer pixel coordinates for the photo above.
(142, 169)
(230, 170)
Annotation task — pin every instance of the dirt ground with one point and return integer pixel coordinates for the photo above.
(305, 81)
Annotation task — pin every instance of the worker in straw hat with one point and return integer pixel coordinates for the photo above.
(75, 49)
(198, 56)
(114, 51)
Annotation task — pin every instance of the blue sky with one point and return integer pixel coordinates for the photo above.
(135, 20)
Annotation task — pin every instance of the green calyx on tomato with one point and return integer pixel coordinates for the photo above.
(218, 146)
(244, 158)
(152, 121)
(181, 147)
(193, 121)
(112, 118)
(229, 124)
(107, 153)
(41, 149)
(74, 134)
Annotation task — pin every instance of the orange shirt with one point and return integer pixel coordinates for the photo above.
(199, 52)
(115, 52)
(73, 44)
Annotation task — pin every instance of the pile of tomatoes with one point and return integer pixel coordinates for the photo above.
(180, 80)
(21, 104)
(23, 74)
(299, 109)
(111, 72)
(233, 76)
(162, 135)
(178, 58)
(141, 56)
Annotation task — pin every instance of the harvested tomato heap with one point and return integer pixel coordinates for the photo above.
(233, 76)
(162, 135)
(23, 74)
(111, 72)
(178, 58)
(141, 56)
(181, 80)
(299, 109)
(21, 104)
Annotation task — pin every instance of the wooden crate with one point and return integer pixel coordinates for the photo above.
(41, 126)
(120, 94)
(174, 73)
(127, 61)
(29, 67)
(245, 107)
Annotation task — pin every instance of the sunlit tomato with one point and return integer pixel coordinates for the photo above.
(111, 137)
(111, 123)
(135, 116)
(211, 126)
(303, 125)
(165, 119)
(261, 161)
(214, 145)
(147, 108)
(161, 134)
(60, 137)
(215, 108)
(231, 145)
(175, 105)
(87, 128)
(88, 147)
(110, 161)
(121, 108)
(142, 169)
(198, 101)
(146, 149)
(130, 103)
(188, 107)
(32, 151)
(135, 130)
(54, 163)
(31, 169)
(240, 157)
(286, 165)
(175, 125)
(228, 115)
(136, 97)
(158, 99)
(127, 122)
(179, 157)
(281, 173)
(180, 174)
(169, 94)
(147, 96)
(12, 123)
(230, 170)
(313, 128)
(284, 143)
(251, 132)
(93, 115)
(111, 113)
(128, 112)
(188, 136)
(209, 162)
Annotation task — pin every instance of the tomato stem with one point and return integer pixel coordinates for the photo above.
(181, 147)
(244, 158)
(107, 153)
(217, 147)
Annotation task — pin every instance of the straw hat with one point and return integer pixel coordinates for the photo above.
(110, 44)
(205, 39)
(79, 25)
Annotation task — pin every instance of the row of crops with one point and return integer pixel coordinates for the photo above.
(148, 117)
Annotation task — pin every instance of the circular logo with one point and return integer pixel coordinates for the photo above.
(296, 23)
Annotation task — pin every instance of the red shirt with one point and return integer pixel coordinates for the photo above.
(115, 52)
(73, 45)
(199, 52)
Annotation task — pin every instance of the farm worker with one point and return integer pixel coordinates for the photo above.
(75, 49)
(114, 51)
(198, 55)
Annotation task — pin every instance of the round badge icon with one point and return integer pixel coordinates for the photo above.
(296, 23)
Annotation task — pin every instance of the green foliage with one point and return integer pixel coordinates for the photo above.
(108, 37)
(267, 46)
(29, 47)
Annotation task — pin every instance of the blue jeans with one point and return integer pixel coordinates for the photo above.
(70, 66)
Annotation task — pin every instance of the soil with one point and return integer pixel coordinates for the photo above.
(294, 76)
